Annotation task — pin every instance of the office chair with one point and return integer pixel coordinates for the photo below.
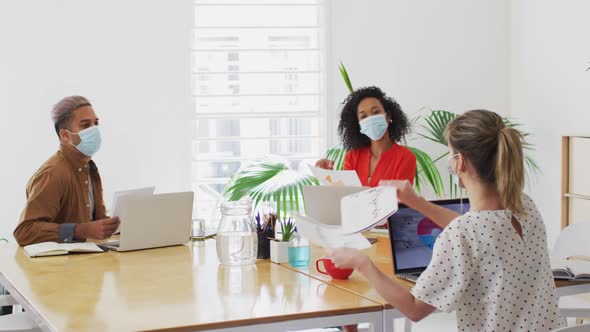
(572, 241)
(18, 321)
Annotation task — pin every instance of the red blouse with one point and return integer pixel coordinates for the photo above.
(397, 163)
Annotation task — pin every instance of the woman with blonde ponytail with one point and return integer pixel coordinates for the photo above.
(491, 264)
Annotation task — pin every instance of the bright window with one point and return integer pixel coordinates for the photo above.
(258, 87)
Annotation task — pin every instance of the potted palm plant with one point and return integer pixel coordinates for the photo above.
(432, 127)
(272, 180)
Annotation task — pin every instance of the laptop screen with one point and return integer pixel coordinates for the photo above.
(413, 235)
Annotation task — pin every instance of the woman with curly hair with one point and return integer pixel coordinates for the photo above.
(371, 125)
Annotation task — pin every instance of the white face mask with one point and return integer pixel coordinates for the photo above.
(454, 175)
(374, 126)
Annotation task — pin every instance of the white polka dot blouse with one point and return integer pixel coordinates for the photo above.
(493, 278)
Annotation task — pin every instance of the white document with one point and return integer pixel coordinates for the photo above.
(366, 209)
(329, 236)
(359, 212)
(336, 178)
(54, 248)
(141, 192)
(322, 203)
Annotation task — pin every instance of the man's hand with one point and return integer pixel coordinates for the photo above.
(325, 164)
(98, 229)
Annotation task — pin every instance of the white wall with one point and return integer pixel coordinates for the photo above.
(550, 89)
(427, 54)
(449, 55)
(130, 58)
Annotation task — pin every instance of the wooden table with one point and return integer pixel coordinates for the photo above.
(177, 288)
(380, 254)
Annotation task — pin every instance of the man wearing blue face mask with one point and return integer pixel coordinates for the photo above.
(64, 196)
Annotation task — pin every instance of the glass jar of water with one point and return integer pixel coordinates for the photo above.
(236, 239)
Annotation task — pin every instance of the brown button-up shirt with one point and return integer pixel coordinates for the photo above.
(58, 198)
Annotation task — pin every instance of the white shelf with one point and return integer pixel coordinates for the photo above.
(576, 196)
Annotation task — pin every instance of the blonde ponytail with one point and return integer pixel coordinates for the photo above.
(494, 150)
(510, 169)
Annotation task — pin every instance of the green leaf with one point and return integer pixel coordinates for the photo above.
(288, 228)
(337, 154)
(269, 180)
(427, 172)
(436, 124)
(345, 77)
(433, 128)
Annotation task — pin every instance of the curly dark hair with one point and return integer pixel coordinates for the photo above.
(349, 129)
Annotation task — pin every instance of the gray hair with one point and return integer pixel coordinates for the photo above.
(63, 111)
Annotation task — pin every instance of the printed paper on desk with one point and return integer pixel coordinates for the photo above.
(336, 178)
(147, 191)
(366, 209)
(329, 236)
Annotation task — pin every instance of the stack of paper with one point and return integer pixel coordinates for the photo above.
(359, 212)
(366, 209)
(329, 236)
(336, 178)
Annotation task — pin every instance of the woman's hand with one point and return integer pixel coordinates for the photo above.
(405, 190)
(325, 164)
(346, 258)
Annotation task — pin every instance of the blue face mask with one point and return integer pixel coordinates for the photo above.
(374, 126)
(90, 140)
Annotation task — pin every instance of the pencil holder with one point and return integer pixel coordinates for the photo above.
(263, 244)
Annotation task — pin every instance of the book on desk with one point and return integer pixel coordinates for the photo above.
(575, 268)
(54, 248)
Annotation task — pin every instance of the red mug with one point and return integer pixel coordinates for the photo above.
(332, 270)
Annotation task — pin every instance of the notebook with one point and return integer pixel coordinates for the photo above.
(54, 248)
(571, 268)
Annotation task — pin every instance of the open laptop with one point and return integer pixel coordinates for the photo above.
(153, 221)
(413, 235)
(322, 203)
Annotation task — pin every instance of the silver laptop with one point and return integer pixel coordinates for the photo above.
(153, 221)
(413, 236)
(322, 203)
